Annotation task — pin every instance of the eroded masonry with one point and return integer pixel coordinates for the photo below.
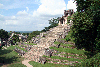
(47, 39)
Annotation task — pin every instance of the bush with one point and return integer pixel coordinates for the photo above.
(68, 39)
(92, 62)
(0, 47)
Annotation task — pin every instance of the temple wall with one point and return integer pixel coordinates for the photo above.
(66, 14)
(65, 20)
(59, 23)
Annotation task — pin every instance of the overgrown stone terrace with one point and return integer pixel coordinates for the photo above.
(46, 40)
(21, 52)
(27, 47)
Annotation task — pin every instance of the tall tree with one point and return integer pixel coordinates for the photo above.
(3, 34)
(53, 23)
(86, 25)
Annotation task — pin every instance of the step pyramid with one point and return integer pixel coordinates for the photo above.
(52, 35)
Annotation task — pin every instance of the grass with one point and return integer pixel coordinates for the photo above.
(17, 65)
(31, 43)
(37, 37)
(63, 39)
(10, 57)
(63, 58)
(69, 50)
(73, 55)
(66, 45)
(13, 47)
(36, 64)
(42, 37)
(44, 34)
(56, 53)
(22, 48)
(56, 42)
(55, 61)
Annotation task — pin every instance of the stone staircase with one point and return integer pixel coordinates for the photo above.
(34, 53)
(51, 36)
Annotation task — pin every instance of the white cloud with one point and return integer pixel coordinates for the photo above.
(23, 20)
(27, 9)
(13, 4)
(72, 5)
(1, 6)
(22, 13)
(51, 7)
(2, 18)
(11, 22)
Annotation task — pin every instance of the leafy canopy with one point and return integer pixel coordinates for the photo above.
(15, 38)
(86, 25)
(3, 34)
(53, 23)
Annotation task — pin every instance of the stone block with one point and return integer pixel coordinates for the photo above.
(42, 60)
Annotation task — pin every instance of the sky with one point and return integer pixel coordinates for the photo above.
(31, 15)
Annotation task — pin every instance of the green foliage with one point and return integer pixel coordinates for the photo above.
(53, 23)
(25, 34)
(67, 39)
(3, 34)
(92, 62)
(9, 33)
(20, 39)
(15, 38)
(68, 19)
(56, 42)
(33, 34)
(17, 33)
(86, 25)
(0, 47)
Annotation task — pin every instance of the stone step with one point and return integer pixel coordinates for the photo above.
(52, 35)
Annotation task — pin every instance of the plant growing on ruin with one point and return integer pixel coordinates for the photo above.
(68, 19)
(86, 25)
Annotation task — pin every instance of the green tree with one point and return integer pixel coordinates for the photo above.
(3, 34)
(86, 25)
(25, 34)
(9, 33)
(33, 34)
(17, 33)
(15, 38)
(69, 18)
(53, 23)
(91, 62)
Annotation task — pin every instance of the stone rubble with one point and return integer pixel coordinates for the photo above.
(44, 41)
(21, 52)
